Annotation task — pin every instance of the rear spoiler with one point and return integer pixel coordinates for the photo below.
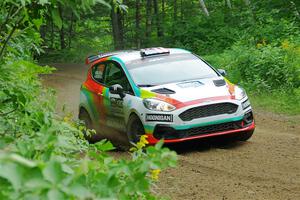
(93, 58)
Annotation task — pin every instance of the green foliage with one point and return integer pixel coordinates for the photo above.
(262, 67)
(269, 72)
(44, 157)
(23, 19)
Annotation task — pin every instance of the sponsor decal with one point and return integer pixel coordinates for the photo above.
(159, 117)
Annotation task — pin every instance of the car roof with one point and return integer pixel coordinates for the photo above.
(129, 56)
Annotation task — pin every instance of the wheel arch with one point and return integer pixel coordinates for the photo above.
(131, 134)
(132, 112)
(82, 108)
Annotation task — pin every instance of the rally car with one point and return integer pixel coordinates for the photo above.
(170, 94)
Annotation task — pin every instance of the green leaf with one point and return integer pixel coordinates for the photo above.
(56, 18)
(159, 144)
(104, 145)
(55, 194)
(23, 2)
(23, 161)
(43, 2)
(53, 172)
(13, 173)
(104, 3)
(38, 22)
(80, 191)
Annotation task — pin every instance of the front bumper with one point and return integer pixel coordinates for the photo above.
(169, 134)
(199, 122)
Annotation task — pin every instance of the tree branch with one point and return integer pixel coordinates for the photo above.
(7, 113)
(204, 8)
(6, 19)
(9, 36)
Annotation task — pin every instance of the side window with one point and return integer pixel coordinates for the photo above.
(97, 72)
(115, 75)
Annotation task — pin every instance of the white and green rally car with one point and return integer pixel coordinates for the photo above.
(169, 94)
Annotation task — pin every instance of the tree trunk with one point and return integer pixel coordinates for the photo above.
(61, 31)
(157, 18)
(121, 28)
(148, 20)
(175, 10)
(52, 34)
(71, 30)
(181, 10)
(247, 2)
(117, 27)
(137, 23)
(163, 16)
(228, 3)
(203, 7)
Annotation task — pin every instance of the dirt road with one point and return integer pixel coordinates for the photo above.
(265, 167)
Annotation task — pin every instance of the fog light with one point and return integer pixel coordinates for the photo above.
(248, 118)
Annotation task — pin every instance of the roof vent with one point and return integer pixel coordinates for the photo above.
(154, 51)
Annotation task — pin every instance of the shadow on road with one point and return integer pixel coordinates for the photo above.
(206, 144)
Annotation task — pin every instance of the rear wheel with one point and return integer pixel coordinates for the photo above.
(85, 117)
(135, 128)
(244, 136)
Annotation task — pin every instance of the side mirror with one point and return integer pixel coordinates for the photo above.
(117, 89)
(222, 72)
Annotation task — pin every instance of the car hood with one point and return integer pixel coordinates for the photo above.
(192, 90)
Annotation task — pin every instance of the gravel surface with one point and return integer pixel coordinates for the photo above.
(265, 167)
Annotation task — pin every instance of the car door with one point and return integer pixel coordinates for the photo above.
(114, 74)
(96, 98)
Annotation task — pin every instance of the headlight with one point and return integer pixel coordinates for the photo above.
(158, 105)
(239, 93)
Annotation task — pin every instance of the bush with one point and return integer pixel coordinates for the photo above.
(44, 156)
(263, 67)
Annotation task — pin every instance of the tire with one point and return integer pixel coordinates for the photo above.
(135, 129)
(244, 136)
(85, 117)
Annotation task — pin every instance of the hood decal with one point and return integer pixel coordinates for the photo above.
(231, 87)
(194, 93)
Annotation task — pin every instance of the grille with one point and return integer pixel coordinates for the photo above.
(173, 134)
(212, 128)
(208, 110)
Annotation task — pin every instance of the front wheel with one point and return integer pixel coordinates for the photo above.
(135, 129)
(244, 136)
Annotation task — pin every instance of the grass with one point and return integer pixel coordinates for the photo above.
(277, 102)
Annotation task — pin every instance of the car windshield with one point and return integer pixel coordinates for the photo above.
(169, 69)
